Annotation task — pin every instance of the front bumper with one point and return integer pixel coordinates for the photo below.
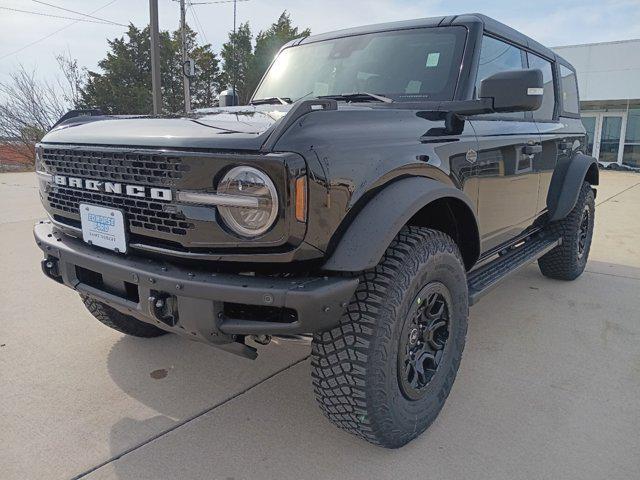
(194, 302)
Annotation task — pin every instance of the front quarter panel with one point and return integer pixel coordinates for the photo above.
(353, 152)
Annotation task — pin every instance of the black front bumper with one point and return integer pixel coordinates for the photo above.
(193, 302)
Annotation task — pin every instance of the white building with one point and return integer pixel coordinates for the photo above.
(609, 83)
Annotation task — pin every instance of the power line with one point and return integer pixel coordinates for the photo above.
(58, 16)
(233, 42)
(77, 13)
(55, 16)
(217, 1)
(197, 22)
(53, 33)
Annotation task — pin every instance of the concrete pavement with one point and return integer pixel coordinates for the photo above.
(549, 385)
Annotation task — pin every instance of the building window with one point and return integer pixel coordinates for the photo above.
(569, 90)
(590, 130)
(545, 112)
(631, 154)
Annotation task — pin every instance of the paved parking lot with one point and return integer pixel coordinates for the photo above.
(549, 385)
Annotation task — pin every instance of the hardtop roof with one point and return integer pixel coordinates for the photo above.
(490, 26)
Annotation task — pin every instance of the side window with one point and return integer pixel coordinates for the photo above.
(569, 90)
(545, 112)
(498, 56)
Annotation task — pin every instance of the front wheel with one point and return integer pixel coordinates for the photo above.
(385, 372)
(112, 318)
(568, 260)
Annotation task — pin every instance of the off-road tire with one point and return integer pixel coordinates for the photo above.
(354, 367)
(565, 261)
(119, 321)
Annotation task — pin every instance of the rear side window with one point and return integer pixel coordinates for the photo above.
(545, 112)
(569, 86)
(498, 56)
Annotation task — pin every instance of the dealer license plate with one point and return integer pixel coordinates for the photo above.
(103, 227)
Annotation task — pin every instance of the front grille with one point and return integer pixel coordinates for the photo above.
(145, 217)
(141, 214)
(155, 224)
(136, 167)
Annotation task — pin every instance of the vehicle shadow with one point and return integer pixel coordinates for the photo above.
(179, 378)
(255, 436)
(518, 386)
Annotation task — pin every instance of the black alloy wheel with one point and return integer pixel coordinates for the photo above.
(423, 340)
(583, 231)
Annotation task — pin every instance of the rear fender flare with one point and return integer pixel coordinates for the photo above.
(582, 168)
(365, 240)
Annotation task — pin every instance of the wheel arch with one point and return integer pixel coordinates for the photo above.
(415, 201)
(454, 217)
(561, 201)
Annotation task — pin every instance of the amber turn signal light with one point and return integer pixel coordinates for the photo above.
(301, 199)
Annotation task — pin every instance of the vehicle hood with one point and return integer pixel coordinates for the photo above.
(237, 128)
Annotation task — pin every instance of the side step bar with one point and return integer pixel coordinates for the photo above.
(485, 278)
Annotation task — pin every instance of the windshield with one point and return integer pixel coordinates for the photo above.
(405, 65)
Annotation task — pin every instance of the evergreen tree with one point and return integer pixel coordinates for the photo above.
(253, 63)
(124, 84)
(242, 58)
(268, 43)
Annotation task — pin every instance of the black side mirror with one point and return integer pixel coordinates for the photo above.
(513, 90)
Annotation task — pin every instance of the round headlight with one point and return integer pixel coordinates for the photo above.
(249, 221)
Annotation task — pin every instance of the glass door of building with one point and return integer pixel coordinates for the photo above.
(590, 122)
(605, 135)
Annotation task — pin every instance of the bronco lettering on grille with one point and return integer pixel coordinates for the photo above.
(138, 191)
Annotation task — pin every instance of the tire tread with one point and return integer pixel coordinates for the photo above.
(112, 318)
(562, 262)
(347, 370)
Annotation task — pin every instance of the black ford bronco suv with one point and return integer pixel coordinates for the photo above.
(382, 179)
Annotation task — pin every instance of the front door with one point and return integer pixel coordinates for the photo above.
(509, 150)
(508, 183)
(605, 135)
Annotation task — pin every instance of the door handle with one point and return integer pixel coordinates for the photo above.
(532, 149)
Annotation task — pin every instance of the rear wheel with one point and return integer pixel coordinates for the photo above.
(112, 318)
(384, 373)
(568, 261)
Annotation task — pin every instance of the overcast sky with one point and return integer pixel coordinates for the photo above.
(553, 23)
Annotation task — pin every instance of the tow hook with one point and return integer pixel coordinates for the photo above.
(50, 269)
(163, 308)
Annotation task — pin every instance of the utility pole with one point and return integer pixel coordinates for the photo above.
(185, 78)
(234, 49)
(155, 58)
(235, 57)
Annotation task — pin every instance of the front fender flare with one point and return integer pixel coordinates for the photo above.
(375, 226)
(581, 168)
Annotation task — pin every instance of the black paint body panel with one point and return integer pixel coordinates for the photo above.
(355, 153)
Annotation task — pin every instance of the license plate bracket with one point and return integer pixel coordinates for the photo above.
(103, 227)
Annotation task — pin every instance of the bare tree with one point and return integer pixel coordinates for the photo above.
(30, 106)
(73, 79)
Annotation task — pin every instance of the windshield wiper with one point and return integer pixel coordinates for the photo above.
(265, 101)
(303, 96)
(360, 97)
